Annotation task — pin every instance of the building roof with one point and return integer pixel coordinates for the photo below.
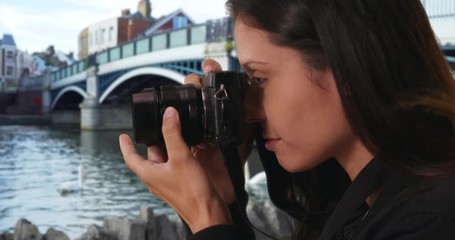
(164, 19)
(8, 40)
(136, 15)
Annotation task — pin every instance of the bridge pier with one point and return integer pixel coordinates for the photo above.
(68, 117)
(99, 117)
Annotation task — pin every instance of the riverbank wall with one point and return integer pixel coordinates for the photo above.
(31, 119)
(150, 225)
(21, 102)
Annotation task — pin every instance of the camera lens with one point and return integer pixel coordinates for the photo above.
(149, 106)
(146, 117)
(187, 99)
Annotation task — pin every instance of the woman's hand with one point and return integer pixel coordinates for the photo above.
(178, 179)
(194, 181)
(211, 158)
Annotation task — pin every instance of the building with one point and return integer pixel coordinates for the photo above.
(174, 20)
(442, 18)
(15, 64)
(128, 26)
(8, 51)
(20, 88)
(19, 69)
(114, 31)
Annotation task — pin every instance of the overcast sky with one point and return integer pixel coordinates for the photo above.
(37, 24)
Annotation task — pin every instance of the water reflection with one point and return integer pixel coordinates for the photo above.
(35, 161)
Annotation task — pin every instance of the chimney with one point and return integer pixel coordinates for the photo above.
(145, 8)
(125, 12)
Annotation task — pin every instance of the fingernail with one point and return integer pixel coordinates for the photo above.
(202, 146)
(208, 68)
(170, 112)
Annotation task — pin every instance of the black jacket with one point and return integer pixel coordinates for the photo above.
(406, 208)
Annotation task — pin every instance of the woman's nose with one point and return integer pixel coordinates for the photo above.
(252, 105)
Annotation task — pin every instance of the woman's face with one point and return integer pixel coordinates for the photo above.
(299, 108)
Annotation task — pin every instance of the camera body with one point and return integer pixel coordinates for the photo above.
(209, 114)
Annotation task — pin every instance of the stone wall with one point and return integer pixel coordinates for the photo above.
(150, 225)
(99, 117)
(65, 117)
(28, 102)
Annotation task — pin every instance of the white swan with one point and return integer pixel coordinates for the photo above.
(257, 186)
(72, 186)
(259, 180)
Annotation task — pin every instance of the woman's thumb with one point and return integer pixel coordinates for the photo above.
(172, 133)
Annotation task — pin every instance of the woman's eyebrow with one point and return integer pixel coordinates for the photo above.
(246, 66)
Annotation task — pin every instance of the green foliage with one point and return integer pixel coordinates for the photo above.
(229, 46)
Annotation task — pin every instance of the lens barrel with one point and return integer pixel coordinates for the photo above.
(148, 108)
(146, 116)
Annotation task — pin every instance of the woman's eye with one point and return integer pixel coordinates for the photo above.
(258, 80)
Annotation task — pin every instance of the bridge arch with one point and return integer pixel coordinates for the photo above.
(174, 76)
(68, 89)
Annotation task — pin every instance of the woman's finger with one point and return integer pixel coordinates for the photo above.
(210, 65)
(177, 149)
(132, 159)
(193, 79)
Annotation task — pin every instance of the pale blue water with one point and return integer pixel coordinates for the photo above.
(34, 161)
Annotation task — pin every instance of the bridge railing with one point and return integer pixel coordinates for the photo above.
(210, 31)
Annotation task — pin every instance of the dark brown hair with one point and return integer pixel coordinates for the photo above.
(396, 87)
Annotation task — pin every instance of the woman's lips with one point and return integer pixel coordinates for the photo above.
(270, 143)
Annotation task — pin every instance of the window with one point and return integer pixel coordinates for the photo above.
(103, 32)
(9, 71)
(85, 42)
(111, 34)
(179, 22)
(9, 54)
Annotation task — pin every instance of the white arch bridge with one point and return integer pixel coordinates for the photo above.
(96, 91)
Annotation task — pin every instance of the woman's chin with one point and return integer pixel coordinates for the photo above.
(294, 165)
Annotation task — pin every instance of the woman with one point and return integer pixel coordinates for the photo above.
(356, 106)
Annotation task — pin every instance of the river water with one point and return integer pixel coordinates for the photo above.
(36, 160)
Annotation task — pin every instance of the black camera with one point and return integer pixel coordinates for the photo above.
(211, 113)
